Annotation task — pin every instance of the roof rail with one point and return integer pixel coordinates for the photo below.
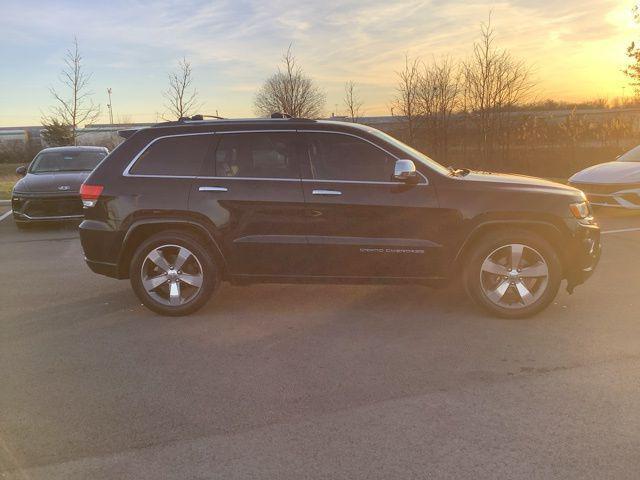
(198, 118)
(126, 133)
(280, 115)
(204, 118)
(286, 116)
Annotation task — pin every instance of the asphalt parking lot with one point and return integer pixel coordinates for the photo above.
(307, 381)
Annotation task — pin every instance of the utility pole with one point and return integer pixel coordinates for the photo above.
(110, 107)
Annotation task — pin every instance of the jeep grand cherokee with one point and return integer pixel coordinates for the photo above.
(181, 206)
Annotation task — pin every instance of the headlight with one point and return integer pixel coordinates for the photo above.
(580, 210)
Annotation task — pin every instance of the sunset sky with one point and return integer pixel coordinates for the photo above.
(576, 47)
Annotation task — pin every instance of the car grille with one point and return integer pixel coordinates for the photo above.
(53, 207)
(604, 188)
(602, 200)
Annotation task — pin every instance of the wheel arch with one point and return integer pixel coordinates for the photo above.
(142, 229)
(546, 230)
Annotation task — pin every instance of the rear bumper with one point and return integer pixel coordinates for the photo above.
(102, 247)
(583, 255)
(103, 268)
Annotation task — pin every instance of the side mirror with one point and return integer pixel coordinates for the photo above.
(21, 170)
(405, 171)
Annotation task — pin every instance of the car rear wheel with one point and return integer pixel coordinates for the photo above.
(513, 273)
(172, 273)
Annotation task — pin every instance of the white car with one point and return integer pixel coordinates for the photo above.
(612, 184)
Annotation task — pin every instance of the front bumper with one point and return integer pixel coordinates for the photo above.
(30, 207)
(583, 254)
(611, 195)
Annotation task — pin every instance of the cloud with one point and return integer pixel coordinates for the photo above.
(234, 44)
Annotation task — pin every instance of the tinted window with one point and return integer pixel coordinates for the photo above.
(257, 155)
(179, 156)
(66, 161)
(343, 157)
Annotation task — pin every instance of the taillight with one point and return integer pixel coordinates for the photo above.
(90, 194)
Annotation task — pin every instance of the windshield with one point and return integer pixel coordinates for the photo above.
(410, 151)
(47, 162)
(632, 155)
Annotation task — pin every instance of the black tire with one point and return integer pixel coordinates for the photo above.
(210, 272)
(493, 242)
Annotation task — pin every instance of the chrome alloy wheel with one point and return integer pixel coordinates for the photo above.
(514, 276)
(171, 275)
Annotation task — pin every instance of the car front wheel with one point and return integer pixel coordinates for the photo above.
(513, 273)
(172, 273)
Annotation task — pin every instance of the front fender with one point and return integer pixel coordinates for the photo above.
(548, 230)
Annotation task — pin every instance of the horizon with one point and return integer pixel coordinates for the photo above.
(131, 48)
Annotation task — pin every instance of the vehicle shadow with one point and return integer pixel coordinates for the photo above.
(241, 315)
(50, 226)
(9, 231)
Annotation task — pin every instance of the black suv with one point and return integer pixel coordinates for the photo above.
(180, 206)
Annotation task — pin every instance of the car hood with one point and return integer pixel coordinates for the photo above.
(505, 180)
(610, 172)
(51, 182)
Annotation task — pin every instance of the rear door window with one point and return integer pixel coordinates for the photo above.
(257, 155)
(180, 156)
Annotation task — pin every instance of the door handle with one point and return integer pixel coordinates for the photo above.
(326, 192)
(212, 189)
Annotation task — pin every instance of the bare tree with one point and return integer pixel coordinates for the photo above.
(633, 52)
(406, 103)
(494, 82)
(124, 118)
(352, 101)
(74, 105)
(438, 97)
(290, 91)
(181, 96)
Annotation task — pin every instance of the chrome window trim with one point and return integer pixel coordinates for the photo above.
(127, 170)
(149, 175)
(365, 182)
(352, 135)
(269, 179)
(263, 130)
